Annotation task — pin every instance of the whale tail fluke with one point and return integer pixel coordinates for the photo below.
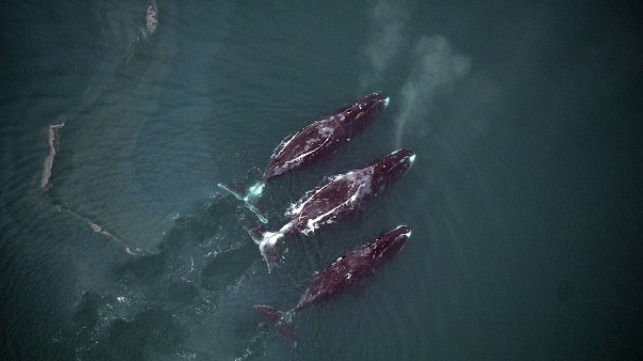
(249, 199)
(280, 321)
(267, 242)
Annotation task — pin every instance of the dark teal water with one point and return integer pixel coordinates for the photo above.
(524, 201)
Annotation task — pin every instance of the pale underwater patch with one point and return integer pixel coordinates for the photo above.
(254, 192)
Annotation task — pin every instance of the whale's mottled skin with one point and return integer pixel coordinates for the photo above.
(313, 142)
(344, 196)
(352, 268)
(325, 135)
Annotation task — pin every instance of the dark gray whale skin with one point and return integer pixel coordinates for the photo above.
(351, 269)
(325, 135)
(343, 196)
(347, 195)
(311, 143)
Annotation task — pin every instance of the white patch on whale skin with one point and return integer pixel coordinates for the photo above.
(296, 208)
(360, 178)
(282, 145)
(326, 131)
(295, 162)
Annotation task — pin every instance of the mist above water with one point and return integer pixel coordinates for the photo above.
(522, 200)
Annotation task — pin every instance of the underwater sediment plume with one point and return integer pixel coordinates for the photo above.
(49, 160)
(54, 141)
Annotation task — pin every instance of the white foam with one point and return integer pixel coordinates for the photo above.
(270, 238)
(256, 190)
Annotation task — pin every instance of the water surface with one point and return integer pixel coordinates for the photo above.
(524, 200)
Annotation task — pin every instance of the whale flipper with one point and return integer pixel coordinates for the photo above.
(280, 321)
(253, 193)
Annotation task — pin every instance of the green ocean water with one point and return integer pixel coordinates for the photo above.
(524, 200)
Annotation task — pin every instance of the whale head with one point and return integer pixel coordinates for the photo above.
(389, 243)
(391, 167)
(364, 110)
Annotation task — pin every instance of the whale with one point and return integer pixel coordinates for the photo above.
(325, 135)
(315, 141)
(348, 271)
(343, 196)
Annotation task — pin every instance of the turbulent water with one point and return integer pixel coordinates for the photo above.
(524, 200)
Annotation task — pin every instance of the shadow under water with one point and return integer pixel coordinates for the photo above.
(156, 300)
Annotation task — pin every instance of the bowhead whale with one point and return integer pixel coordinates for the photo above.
(315, 141)
(348, 270)
(343, 196)
(324, 136)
